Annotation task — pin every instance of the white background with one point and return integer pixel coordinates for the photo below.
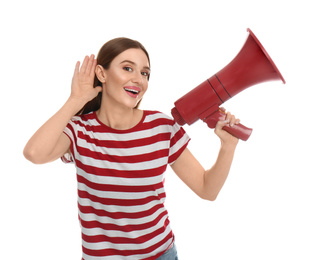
(262, 211)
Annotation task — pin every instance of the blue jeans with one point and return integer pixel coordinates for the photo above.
(170, 254)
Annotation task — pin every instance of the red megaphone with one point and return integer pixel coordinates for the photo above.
(251, 66)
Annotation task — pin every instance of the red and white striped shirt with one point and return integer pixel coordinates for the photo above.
(120, 176)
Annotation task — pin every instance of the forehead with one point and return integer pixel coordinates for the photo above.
(137, 56)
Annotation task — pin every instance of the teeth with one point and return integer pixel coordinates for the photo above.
(132, 90)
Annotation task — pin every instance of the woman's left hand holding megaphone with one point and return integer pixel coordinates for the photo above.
(224, 122)
(227, 120)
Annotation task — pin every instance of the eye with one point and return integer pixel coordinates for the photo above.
(127, 68)
(145, 73)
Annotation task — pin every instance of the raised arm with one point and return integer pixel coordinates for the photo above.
(208, 183)
(49, 142)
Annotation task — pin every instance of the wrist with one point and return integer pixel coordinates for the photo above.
(229, 145)
(74, 105)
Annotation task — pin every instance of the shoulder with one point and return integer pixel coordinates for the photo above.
(85, 119)
(162, 123)
(86, 122)
(158, 117)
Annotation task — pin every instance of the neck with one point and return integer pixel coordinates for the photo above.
(120, 118)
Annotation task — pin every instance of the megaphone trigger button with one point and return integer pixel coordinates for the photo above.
(222, 109)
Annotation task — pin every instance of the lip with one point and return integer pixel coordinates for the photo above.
(132, 91)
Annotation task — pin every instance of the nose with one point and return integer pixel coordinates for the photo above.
(138, 78)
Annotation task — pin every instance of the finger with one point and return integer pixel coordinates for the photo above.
(76, 69)
(98, 88)
(93, 69)
(84, 64)
(228, 117)
(232, 120)
(90, 63)
(220, 124)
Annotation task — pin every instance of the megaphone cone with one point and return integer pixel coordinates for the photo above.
(251, 66)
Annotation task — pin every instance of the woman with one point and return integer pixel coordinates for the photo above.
(121, 154)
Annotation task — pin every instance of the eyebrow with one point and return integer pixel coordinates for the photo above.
(133, 63)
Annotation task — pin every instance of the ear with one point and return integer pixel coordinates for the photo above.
(100, 73)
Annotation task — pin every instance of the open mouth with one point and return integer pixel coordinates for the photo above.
(132, 91)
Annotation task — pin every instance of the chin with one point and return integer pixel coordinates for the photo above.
(132, 105)
(138, 103)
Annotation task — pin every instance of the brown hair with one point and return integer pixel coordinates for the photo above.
(105, 56)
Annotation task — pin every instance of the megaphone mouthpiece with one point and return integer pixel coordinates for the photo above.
(177, 117)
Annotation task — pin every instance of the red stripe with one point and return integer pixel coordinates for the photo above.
(123, 240)
(103, 128)
(178, 135)
(119, 215)
(133, 143)
(121, 174)
(176, 155)
(118, 188)
(120, 202)
(124, 159)
(125, 228)
(74, 141)
(109, 252)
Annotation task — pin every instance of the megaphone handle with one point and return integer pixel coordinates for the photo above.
(240, 131)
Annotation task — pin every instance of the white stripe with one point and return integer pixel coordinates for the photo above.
(119, 195)
(146, 165)
(89, 122)
(115, 208)
(133, 257)
(112, 180)
(106, 245)
(117, 233)
(160, 145)
(152, 117)
(176, 147)
(126, 136)
(69, 132)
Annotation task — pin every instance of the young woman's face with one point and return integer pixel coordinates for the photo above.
(126, 80)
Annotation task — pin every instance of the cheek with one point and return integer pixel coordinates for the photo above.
(145, 87)
(146, 84)
(115, 80)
